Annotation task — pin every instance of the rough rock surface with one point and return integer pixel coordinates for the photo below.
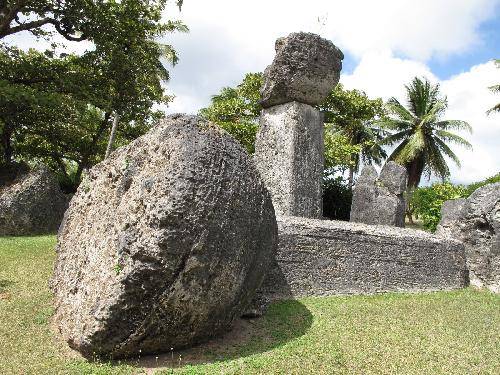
(31, 203)
(306, 68)
(289, 157)
(380, 199)
(476, 222)
(322, 257)
(164, 243)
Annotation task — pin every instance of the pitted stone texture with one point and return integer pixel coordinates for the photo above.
(322, 257)
(476, 222)
(306, 68)
(164, 243)
(451, 212)
(289, 157)
(380, 200)
(31, 203)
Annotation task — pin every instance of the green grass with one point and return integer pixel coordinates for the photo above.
(430, 333)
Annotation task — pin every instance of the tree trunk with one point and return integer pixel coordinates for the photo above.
(351, 177)
(415, 168)
(84, 162)
(6, 139)
(112, 135)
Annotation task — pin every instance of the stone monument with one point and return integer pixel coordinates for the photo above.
(476, 222)
(289, 144)
(380, 199)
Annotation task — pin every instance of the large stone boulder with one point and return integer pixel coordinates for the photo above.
(164, 244)
(306, 68)
(476, 222)
(31, 202)
(380, 199)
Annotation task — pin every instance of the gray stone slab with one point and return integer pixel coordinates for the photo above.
(320, 257)
(289, 157)
(380, 200)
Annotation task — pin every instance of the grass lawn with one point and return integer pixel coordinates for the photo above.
(431, 333)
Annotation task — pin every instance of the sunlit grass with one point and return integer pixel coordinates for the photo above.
(429, 333)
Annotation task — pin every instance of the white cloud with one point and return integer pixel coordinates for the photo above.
(469, 99)
(230, 38)
(383, 75)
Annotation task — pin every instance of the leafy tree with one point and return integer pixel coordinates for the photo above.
(422, 134)
(59, 109)
(352, 115)
(75, 20)
(237, 110)
(495, 89)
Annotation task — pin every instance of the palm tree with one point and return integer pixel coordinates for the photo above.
(422, 135)
(368, 135)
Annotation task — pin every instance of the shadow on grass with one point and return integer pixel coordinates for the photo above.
(283, 322)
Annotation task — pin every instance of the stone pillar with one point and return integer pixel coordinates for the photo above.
(289, 156)
(380, 199)
(289, 145)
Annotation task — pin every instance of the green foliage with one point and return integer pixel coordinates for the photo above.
(339, 152)
(476, 185)
(59, 109)
(337, 198)
(421, 134)
(353, 116)
(237, 110)
(426, 202)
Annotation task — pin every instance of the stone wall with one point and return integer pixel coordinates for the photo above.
(317, 258)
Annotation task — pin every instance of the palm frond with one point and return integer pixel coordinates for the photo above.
(393, 124)
(395, 107)
(453, 125)
(435, 112)
(435, 160)
(393, 138)
(494, 109)
(415, 146)
(450, 137)
(448, 152)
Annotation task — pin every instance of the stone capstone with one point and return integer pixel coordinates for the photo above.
(476, 222)
(305, 69)
(380, 199)
(164, 244)
(31, 202)
(289, 157)
(323, 257)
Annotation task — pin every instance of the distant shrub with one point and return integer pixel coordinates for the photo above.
(337, 198)
(426, 202)
(476, 185)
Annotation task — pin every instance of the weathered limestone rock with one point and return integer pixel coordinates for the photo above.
(289, 157)
(31, 203)
(476, 222)
(451, 212)
(164, 244)
(306, 68)
(323, 257)
(380, 199)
